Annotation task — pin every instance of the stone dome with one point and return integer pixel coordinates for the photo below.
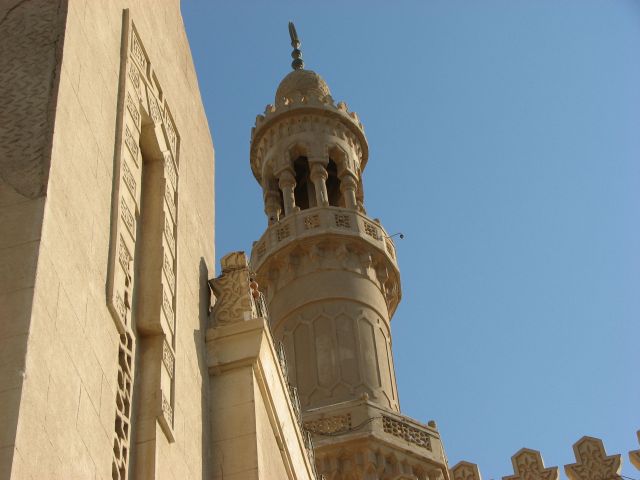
(304, 82)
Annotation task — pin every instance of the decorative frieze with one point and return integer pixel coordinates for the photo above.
(168, 233)
(140, 100)
(167, 307)
(167, 267)
(137, 52)
(133, 108)
(170, 170)
(407, 432)
(129, 179)
(342, 220)
(170, 130)
(127, 218)
(371, 230)
(328, 425)
(390, 248)
(283, 232)
(124, 257)
(122, 429)
(311, 221)
(132, 144)
(168, 358)
(154, 110)
(167, 410)
(170, 202)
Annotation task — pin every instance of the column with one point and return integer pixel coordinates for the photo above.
(319, 177)
(348, 187)
(287, 183)
(272, 205)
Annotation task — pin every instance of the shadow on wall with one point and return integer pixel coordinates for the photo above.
(204, 301)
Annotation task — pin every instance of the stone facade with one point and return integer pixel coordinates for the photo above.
(103, 110)
(256, 428)
(119, 358)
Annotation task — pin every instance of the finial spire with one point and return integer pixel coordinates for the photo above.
(298, 63)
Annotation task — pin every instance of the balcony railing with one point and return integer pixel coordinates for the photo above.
(320, 221)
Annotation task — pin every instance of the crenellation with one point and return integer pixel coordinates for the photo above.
(592, 462)
(465, 471)
(528, 465)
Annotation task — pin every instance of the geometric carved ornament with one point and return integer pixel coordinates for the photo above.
(141, 103)
(237, 297)
(465, 471)
(528, 465)
(592, 462)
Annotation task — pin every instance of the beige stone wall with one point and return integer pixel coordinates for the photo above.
(255, 431)
(31, 34)
(67, 411)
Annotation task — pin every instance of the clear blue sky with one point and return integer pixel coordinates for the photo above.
(505, 144)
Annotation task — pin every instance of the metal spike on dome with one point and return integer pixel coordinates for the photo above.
(298, 63)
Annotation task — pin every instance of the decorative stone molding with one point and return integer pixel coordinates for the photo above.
(296, 117)
(142, 104)
(322, 220)
(465, 471)
(634, 455)
(141, 100)
(592, 462)
(124, 394)
(236, 299)
(407, 432)
(329, 425)
(528, 465)
(364, 461)
(351, 334)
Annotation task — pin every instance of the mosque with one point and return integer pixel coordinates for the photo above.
(122, 354)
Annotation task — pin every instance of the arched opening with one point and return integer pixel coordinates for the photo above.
(333, 185)
(304, 192)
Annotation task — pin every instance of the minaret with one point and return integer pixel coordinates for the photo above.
(331, 279)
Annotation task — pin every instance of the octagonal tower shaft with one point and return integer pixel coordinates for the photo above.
(328, 271)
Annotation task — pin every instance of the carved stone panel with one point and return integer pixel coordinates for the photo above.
(528, 465)
(592, 462)
(139, 88)
(465, 471)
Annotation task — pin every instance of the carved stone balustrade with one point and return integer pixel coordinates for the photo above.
(358, 436)
(322, 221)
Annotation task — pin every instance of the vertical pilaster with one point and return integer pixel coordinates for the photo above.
(348, 186)
(319, 177)
(287, 184)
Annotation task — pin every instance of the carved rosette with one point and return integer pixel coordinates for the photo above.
(592, 462)
(528, 465)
